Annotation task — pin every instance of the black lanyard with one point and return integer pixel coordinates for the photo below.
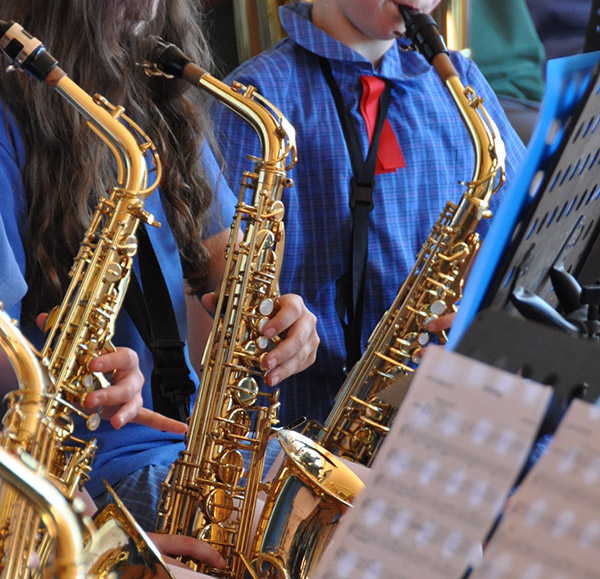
(350, 287)
(152, 313)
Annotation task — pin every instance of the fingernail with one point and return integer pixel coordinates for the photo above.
(271, 363)
(273, 379)
(269, 333)
(99, 365)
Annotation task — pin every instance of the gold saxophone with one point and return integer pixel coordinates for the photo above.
(210, 492)
(53, 384)
(360, 419)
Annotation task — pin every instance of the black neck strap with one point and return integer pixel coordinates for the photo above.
(350, 287)
(152, 313)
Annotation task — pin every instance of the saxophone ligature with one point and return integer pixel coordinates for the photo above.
(360, 418)
(53, 383)
(212, 490)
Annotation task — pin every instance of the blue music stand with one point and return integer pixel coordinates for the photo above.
(550, 214)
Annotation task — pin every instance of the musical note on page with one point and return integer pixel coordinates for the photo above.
(442, 475)
(551, 528)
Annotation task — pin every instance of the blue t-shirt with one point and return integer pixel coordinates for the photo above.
(120, 452)
(437, 151)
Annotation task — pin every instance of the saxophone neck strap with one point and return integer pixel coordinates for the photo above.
(151, 310)
(350, 287)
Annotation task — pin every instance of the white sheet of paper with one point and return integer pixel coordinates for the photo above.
(442, 475)
(551, 528)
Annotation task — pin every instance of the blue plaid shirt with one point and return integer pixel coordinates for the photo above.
(438, 154)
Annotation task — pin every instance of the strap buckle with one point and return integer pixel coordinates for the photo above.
(361, 193)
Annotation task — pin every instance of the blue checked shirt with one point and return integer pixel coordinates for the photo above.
(438, 154)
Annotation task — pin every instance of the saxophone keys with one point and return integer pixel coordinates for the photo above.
(246, 390)
(266, 306)
(264, 343)
(438, 307)
(93, 421)
(128, 245)
(113, 273)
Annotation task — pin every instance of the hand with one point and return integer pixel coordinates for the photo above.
(178, 545)
(122, 401)
(297, 350)
(298, 328)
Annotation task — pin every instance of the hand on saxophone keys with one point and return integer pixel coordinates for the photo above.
(121, 402)
(296, 326)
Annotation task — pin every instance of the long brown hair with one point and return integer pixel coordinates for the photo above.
(98, 44)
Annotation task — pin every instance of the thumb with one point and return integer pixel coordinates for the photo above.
(209, 302)
(40, 321)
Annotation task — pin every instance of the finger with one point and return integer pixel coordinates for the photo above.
(122, 392)
(159, 422)
(121, 359)
(40, 320)
(124, 413)
(178, 545)
(292, 355)
(441, 323)
(291, 309)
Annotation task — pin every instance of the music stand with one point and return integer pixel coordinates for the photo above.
(550, 216)
(550, 213)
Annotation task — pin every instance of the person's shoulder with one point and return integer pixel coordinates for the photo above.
(468, 70)
(276, 67)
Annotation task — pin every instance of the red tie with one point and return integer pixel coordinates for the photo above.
(389, 153)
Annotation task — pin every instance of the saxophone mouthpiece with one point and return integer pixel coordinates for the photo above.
(24, 51)
(168, 58)
(423, 32)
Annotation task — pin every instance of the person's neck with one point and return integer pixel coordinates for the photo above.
(338, 27)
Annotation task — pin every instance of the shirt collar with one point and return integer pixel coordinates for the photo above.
(296, 21)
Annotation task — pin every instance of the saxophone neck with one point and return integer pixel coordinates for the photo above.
(276, 134)
(27, 53)
(488, 146)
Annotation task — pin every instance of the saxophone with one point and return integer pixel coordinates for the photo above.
(53, 384)
(62, 521)
(359, 419)
(211, 492)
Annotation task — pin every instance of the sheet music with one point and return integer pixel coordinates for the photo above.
(551, 528)
(442, 475)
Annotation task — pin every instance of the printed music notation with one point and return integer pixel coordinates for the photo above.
(442, 475)
(551, 527)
